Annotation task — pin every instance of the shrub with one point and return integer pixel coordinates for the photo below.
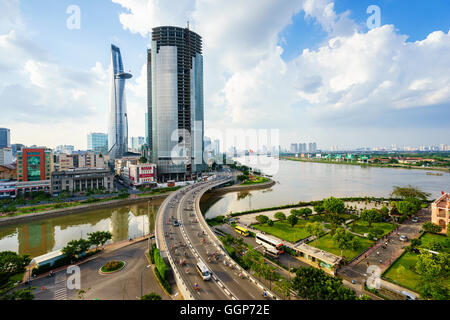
(112, 266)
(160, 264)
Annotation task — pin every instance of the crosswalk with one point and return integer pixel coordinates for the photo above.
(60, 294)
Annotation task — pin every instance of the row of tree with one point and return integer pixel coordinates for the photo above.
(75, 248)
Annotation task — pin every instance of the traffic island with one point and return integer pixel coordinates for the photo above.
(112, 267)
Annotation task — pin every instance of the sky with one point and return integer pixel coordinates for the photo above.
(316, 70)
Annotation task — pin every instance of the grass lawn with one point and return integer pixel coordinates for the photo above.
(256, 180)
(362, 227)
(402, 271)
(283, 230)
(326, 243)
(427, 238)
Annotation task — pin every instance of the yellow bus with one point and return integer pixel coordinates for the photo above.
(241, 230)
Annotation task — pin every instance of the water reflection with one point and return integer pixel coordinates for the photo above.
(39, 237)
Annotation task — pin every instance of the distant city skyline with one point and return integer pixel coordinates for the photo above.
(294, 60)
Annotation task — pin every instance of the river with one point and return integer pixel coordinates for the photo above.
(39, 237)
(296, 181)
(306, 181)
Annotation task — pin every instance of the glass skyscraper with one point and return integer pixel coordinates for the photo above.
(97, 142)
(118, 119)
(175, 89)
(5, 141)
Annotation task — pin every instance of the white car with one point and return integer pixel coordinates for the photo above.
(403, 238)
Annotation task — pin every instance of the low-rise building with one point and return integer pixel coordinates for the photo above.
(8, 172)
(317, 258)
(6, 156)
(82, 179)
(140, 174)
(8, 189)
(440, 213)
(122, 163)
(28, 187)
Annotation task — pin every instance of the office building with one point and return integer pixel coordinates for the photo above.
(64, 149)
(312, 147)
(15, 148)
(34, 164)
(76, 180)
(137, 143)
(118, 118)
(139, 174)
(6, 156)
(216, 147)
(176, 92)
(294, 148)
(97, 142)
(5, 139)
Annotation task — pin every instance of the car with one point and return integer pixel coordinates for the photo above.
(415, 219)
(403, 238)
(176, 223)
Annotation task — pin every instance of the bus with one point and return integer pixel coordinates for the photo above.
(271, 245)
(203, 271)
(241, 231)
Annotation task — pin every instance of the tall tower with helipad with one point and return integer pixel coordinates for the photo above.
(118, 118)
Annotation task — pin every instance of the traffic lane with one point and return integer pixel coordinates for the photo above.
(124, 284)
(208, 289)
(230, 277)
(226, 275)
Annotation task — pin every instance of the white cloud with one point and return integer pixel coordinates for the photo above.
(44, 95)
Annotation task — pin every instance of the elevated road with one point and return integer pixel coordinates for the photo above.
(192, 241)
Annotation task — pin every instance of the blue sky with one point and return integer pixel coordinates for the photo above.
(253, 62)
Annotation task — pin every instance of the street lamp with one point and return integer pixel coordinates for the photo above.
(142, 273)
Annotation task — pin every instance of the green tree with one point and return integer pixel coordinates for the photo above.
(314, 284)
(371, 216)
(345, 240)
(431, 227)
(375, 233)
(319, 208)
(334, 205)
(409, 192)
(270, 223)
(434, 270)
(293, 220)
(384, 211)
(151, 296)
(280, 216)
(99, 238)
(11, 262)
(406, 208)
(316, 229)
(262, 219)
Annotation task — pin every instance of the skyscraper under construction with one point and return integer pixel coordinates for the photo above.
(175, 118)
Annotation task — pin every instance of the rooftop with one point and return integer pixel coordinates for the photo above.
(443, 201)
(319, 254)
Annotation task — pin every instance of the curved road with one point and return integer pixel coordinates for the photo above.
(190, 242)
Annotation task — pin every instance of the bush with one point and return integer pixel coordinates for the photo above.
(112, 266)
(160, 264)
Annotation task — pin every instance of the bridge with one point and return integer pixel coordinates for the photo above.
(184, 245)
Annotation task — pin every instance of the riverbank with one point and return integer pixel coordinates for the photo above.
(133, 199)
(392, 166)
(241, 187)
(5, 221)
